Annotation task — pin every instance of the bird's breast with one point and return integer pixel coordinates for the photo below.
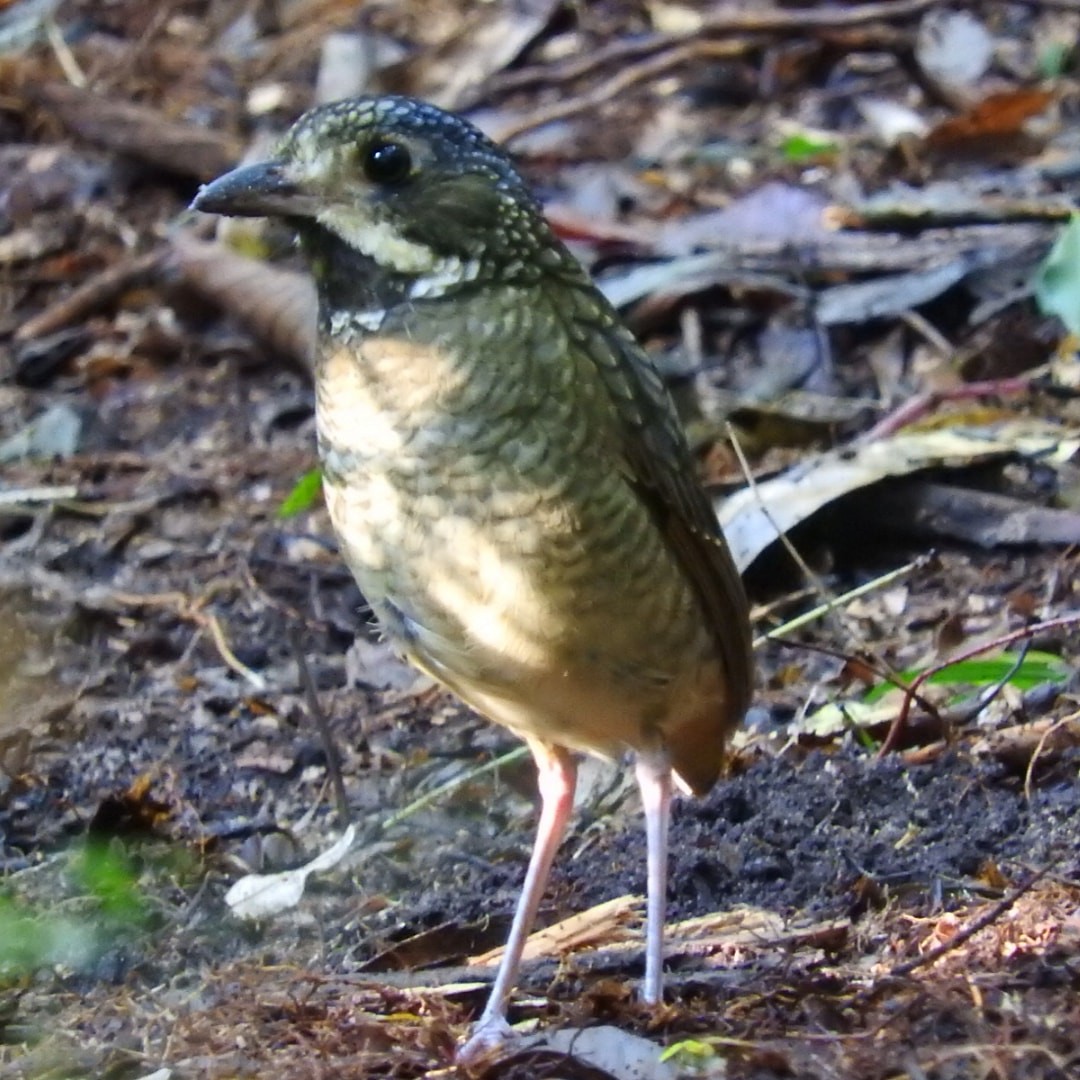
(380, 396)
(481, 506)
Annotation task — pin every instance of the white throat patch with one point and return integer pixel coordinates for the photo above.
(447, 273)
(377, 239)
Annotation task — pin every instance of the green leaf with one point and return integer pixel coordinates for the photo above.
(878, 705)
(1057, 281)
(688, 1051)
(22, 939)
(803, 145)
(1036, 669)
(108, 875)
(1053, 61)
(303, 496)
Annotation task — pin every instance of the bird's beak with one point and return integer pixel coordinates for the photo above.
(254, 191)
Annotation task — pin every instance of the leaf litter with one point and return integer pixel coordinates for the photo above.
(834, 913)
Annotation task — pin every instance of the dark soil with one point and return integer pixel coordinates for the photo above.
(156, 743)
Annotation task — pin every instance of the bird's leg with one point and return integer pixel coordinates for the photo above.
(654, 779)
(557, 776)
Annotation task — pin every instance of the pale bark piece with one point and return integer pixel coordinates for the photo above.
(754, 517)
(142, 132)
(278, 306)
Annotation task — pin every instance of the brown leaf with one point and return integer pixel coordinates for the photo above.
(856, 669)
(995, 121)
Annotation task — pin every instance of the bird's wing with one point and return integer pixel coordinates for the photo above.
(661, 468)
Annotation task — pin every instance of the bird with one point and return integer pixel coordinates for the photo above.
(506, 474)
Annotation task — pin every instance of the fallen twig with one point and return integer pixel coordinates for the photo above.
(917, 407)
(730, 20)
(92, 295)
(619, 84)
(992, 914)
(833, 602)
(318, 716)
(1040, 746)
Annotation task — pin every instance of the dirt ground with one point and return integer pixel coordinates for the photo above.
(123, 685)
(838, 914)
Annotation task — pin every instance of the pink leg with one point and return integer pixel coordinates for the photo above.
(557, 778)
(654, 780)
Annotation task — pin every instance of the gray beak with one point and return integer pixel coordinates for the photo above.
(253, 191)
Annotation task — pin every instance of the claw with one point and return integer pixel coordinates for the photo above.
(487, 1037)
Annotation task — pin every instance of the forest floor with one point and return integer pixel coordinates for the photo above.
(836, 912)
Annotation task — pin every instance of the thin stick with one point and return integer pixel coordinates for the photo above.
(64, 56)
(984, 920)
(984, 697)
(93, 295)
(452, 785)
(728, 21)
(782, 536)
(1030, 772)
(315, 710)
(915, 408)
(620, 83)
(45, 494)
(221, 643)
(830, 605)
(844, 598)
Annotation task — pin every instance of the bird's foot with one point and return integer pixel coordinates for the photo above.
(489, 1034)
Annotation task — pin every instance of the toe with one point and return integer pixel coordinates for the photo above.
(487, 1038)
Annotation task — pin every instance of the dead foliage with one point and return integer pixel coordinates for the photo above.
(825, 220)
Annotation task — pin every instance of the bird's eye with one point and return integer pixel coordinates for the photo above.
(387, 162)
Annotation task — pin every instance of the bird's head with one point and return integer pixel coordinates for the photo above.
(420, 194)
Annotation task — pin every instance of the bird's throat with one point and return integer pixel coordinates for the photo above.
(356, 290)
(349, 282)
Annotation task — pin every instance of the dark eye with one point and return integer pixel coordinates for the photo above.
(387, 162)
